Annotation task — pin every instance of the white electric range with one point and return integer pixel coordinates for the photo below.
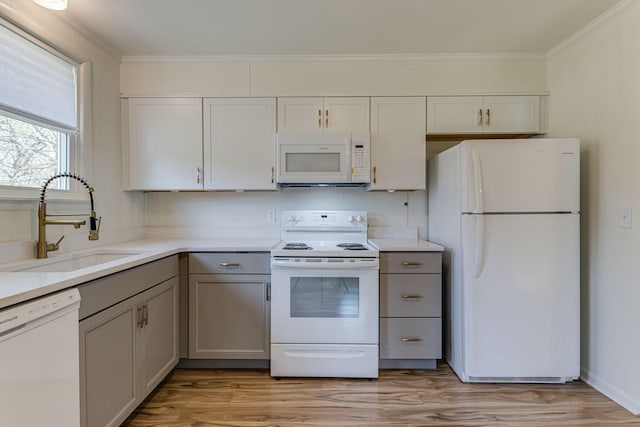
(324, 296)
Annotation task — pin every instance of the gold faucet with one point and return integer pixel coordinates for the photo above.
(42, 247)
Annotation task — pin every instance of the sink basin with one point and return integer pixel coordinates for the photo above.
(71, 262)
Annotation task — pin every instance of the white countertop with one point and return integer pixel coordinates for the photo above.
(20, 286)
(402, 245)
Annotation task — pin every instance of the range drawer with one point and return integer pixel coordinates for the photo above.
(411, 262)
(410, 338)
(229, 263)
(410, 295)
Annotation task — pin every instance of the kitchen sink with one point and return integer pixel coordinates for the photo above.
(66, 263)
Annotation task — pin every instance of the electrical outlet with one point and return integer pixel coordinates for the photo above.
(624, 217)
(271, 216)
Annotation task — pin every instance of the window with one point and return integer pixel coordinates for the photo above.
(38, 112)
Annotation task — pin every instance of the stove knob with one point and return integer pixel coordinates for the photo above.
(358, 218)
(352, 218)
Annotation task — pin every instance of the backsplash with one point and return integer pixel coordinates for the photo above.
(211, 210)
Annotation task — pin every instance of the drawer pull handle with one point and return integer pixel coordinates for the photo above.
(411, 339)
(412, 296)
(411, 264)
(229, 264)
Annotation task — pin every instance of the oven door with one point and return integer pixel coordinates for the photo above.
(324, 305)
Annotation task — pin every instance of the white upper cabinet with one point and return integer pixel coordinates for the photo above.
(239, 143)
(333, 114)
(163, 143)
(483, 114)
(398, 146)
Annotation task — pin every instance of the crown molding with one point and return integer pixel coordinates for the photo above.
(390, 58)
(587, 29)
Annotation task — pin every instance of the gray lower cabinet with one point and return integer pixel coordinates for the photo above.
(229, 314)
(410, 309)
(127, 348)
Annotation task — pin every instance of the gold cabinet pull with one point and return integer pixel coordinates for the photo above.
(416, 297)
(145, 314)
(480, 117)
(411, 339)
(326, 118)
(488, 117)
(229, 264)
(140, 321)
(411, 264)
(319, 118)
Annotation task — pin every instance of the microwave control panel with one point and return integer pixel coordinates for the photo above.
(360, 157)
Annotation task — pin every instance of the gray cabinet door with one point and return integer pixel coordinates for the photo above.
(228, 316)
(158, 350)
(108, 366)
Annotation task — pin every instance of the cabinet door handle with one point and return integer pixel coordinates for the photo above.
(319, 119)
(268, 291)
(411, 339)
(145, 314)
(273, 174)
(326, 119)
(198, 175)
(374, 174)
(480, 117)
(488, 117)
(412, 296)
(140, 321)
(411, 264)
(229, 264)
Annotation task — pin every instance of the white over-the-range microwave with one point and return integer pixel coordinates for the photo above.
(323, 159)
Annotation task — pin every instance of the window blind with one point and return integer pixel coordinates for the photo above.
(35, 81)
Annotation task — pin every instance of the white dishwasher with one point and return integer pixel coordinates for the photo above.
(39, 362)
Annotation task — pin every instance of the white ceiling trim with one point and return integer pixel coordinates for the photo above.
(395, 58)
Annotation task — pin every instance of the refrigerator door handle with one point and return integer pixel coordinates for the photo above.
(477, 184)
(478, 252)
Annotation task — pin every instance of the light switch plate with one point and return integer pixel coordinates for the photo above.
(624, 217)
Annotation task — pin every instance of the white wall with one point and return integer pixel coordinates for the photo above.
(120, 211)
(228, 210)
(594, 85)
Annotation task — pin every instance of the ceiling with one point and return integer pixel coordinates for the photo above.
(331, 27)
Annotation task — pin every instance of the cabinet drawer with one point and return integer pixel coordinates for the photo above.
(99, 294)
(410, 338)
(410, 295)
(411, 262)
(229, 263)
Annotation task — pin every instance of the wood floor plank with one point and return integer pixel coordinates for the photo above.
(408, 398)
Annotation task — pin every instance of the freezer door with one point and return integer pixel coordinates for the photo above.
(520, 175)
(521, 296)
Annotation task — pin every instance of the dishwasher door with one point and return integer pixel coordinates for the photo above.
(39, 362)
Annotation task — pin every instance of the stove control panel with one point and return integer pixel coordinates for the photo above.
(324, 219)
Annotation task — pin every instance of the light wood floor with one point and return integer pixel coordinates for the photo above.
(200, 397)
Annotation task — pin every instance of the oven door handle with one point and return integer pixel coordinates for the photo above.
(325, 265)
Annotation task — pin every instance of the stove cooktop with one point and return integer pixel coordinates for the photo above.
(324, 248)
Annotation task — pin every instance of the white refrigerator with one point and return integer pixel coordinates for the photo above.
(507, 212)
